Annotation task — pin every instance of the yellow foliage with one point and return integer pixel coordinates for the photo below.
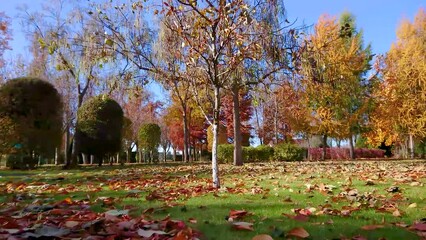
(402, 106)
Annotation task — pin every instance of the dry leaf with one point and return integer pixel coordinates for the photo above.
(243, 226)
(262, 237)
(298, 232)
(396, 213)
(372, 227)
(413, 205)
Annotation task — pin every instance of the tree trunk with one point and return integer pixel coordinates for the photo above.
(411, 144)
(351, 148)
(129, 154)
(275, 120)
(324, 147)
(215, 167)
(185, 135)
(67, 155)
(92, 159)
(309, 148)
(86, 158)
(258, 125)
(100, 160)
(238, 160)
(56, 156)
(174, 154)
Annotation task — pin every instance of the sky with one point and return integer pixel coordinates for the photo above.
(378, 19)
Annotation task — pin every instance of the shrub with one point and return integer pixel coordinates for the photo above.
(225, 153)
(20, 161)
(260, 153)
(31, 117)
(288, 152)
(100, 126)
(420, 148)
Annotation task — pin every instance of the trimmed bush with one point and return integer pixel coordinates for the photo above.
(149, 140)
(260, 153)
(288, 152)
(20, 161)
(343, 153)
(31, 117)
(100, 126)
(225, 153)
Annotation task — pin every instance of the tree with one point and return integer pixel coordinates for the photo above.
(171, 74)
(5, 37)
(216, 44)
(74, 45)
(401, 109)
(100, 127)
(31, 116)
(149, 138)
(245, 113)
(128, 138)
(332, 64)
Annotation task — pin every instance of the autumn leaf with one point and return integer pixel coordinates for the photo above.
(262, 237)
(149, 233)
(243, 226)
(371, 227)
(418, 227)
(298, 232)
(237, 214)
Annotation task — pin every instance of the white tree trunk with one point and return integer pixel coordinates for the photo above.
(411, 142)
(215, 167)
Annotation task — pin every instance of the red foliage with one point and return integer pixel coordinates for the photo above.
(246, 112)
(343, 153)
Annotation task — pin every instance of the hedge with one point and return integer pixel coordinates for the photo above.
(262, 153)
(343, 153)
(289, 152)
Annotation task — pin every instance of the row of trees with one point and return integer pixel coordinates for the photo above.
(236, 66)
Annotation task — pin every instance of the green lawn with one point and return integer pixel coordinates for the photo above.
(330, 200)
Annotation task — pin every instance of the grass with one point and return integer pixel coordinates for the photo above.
(267, 190)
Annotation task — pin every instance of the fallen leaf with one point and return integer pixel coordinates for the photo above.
(396, 213)
(298, 232)
(71, 224)
(237, 214)
(117, 213)
(243, 226)
(418, 227)
(413, 205)
(262, 237)
(149, 233)
(371, 227)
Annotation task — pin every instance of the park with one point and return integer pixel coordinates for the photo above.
(229, 119)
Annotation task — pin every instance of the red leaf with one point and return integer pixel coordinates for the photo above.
(298, 232)
(262, 237)
(237, 214)
(419, 227)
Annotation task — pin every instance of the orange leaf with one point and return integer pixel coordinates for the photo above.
(298, 232)
(262, 237)
(372, 227)
(235, 214)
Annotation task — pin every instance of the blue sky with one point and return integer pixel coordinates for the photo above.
(378, 18)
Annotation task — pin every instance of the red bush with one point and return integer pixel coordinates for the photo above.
(343, 153)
